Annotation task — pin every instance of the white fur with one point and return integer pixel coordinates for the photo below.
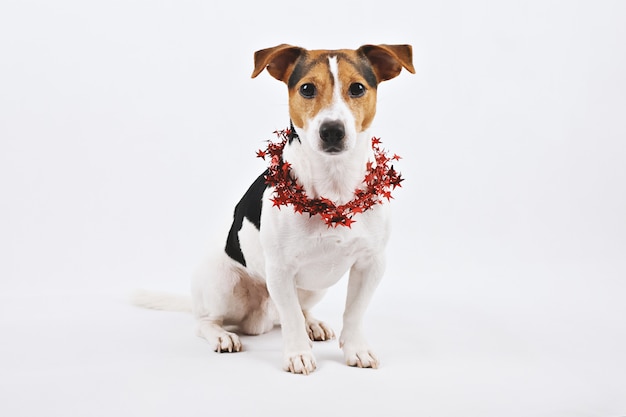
(294, 258)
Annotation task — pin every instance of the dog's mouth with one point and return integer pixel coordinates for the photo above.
(332, 135)
(332, 149)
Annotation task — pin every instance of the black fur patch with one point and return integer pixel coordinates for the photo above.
(364, 67)
(249, 207)
(299, 70)
(292, 133)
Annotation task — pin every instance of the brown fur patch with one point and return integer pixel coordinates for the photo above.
(363, 108)
(303, 109)
(351, 70)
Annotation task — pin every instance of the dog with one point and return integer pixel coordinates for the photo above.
(278, 263)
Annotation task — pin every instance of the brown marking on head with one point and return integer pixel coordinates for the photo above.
(298, 67)
(312, 71)
(354, 71)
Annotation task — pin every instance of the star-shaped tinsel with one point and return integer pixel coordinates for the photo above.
(380, 179)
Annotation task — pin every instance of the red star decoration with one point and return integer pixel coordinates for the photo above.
(277, 202)
(377, 185)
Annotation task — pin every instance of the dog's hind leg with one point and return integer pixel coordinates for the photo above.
(317, 330)
(225, 293)
(213, 304)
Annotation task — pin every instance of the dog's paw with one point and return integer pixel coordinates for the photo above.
(356, 350)
(227, 342)
(361, 359)
(300, 363)
(318, 330)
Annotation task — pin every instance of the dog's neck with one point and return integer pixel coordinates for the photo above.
(335, 177)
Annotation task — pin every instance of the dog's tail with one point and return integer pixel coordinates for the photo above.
(161, 301)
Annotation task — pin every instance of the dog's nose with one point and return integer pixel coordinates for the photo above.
(332, 132)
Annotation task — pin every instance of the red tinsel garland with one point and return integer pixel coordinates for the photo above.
(378, 183)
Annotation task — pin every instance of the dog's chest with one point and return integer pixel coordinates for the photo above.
(322, 260)
(318, 256)
(314, 254)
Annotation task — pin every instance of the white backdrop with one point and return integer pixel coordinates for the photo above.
(127, 134)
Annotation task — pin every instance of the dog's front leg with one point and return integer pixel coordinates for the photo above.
(365, 275)
(297, 354)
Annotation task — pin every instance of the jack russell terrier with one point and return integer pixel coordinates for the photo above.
(278, 263)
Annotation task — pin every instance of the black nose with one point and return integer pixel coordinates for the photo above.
(332, 134)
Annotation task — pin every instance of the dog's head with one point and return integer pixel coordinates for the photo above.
(332, 94)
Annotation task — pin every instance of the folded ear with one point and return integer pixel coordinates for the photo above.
(388, 60)
(278, 60)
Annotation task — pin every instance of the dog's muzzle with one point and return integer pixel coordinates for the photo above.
(332, 134)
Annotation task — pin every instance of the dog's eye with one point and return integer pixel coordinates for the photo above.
(308, 90)
(356, 90)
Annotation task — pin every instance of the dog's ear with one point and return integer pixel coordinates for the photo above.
(388, 60)
(278, 60)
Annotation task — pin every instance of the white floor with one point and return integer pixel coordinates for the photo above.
(550, 348)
